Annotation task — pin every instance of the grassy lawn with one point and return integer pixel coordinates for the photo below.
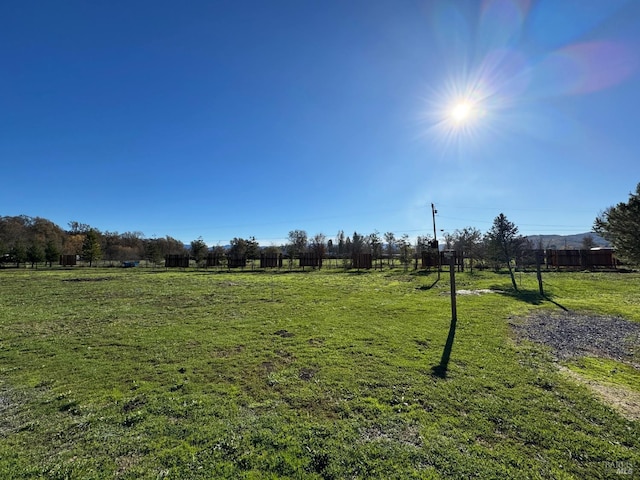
(110, 373)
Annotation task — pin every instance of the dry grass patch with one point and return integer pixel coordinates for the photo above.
(624, 400)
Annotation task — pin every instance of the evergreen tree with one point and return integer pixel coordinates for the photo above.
(51, 252)
(35, 254)
(18, 253)
(357, 243)
(330, 248)
(504, 241)
(253, 248)
(341, 243)
(91, 249)
(621, 226)
(152, 253)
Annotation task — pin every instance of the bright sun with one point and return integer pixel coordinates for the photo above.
(461, 112)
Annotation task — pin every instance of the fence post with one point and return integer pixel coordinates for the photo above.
(538, 272)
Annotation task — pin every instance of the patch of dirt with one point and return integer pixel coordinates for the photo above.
(284, 334)
(577, 335)
(268, 366)
(306, 374)
(134, 404)
(405, 434)
(229, 351)
(125, 463)
(14, 417)
(88, 279)
(571, 335)
(480, 291)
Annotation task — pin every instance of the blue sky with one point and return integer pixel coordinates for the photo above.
(222, 119)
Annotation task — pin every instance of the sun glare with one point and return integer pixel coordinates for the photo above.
(461, 112)
(458, 113)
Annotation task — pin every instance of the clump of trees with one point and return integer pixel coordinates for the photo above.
(32, 240)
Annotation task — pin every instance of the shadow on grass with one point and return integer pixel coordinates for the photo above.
(429, 287)
(440, 370)
(532, 297)
(423, 273)
(548, 299)
(256, 271)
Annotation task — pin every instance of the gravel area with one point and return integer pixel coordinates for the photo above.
(577, 335)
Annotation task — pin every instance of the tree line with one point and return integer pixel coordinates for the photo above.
(34, 240)
(26, 240)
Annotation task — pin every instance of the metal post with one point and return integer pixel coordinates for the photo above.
(452, 279)
(435, 237)
(539, 273)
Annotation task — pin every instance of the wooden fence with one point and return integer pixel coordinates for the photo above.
(362, 260)
(213, 260)
(588, 259)
(430, 259)
(585, 259)
(271, 260)
(310, 260)
(68, 260)
(176, 261)
(236, 261)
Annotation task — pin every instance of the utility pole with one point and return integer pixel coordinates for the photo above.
(435, 237)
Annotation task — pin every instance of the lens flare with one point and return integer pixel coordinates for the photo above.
(492, 84)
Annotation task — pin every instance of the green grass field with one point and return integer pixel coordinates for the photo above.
(111, 373)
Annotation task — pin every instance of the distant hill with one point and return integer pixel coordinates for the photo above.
(566, 241)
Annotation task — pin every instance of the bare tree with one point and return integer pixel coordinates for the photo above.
(375, 245)
(588, 242)
(468, 242)
(390, 238)
(318, 246)
(297, 244)
(404, 245)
